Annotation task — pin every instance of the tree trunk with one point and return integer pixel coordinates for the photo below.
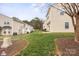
(77, 29)
(0, 30)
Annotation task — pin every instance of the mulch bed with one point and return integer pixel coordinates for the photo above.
(66, 47)
(15, 48)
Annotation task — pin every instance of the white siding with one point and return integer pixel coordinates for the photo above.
(16, 26)
(6, 19)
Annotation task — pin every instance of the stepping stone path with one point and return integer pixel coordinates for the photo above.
(15, 48)
(66, 47)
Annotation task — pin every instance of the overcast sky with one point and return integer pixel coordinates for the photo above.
(24, 11)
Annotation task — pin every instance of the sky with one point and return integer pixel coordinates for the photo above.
(24, 11)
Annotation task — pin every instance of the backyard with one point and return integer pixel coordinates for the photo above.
(41, 44)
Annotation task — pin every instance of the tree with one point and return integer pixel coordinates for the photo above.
(72, 10)
(15, 18)
(36, 23)
(25, 21)
(0, 30)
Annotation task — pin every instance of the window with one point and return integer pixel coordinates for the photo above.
(62, 13)
(4, 32)
(66, 25)
(4, 22)
(7, 22)
(9, 32)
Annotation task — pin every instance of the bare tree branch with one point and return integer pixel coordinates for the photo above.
(70, 8)
(60, 9)
(67, 7)
(76, 5)
(73, 8)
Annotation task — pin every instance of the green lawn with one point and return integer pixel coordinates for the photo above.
(41, 44)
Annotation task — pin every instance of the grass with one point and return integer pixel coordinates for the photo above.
(41, 44)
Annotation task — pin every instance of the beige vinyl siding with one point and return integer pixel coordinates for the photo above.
(57, 21)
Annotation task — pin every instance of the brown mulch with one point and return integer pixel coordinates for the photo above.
(15, 48)
(66, 47)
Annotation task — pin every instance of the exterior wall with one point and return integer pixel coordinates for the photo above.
(8, 32)
(25, 28)
(3, 19)
(17, 27)
(21, 28)
(57, 21)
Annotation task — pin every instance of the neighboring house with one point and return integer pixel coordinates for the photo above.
(57, 21)
(6, 25)
(9, 26)
(28, 28)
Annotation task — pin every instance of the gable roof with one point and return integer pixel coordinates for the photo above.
(48, 11)
(57, 7)
(5, 15)
(18, 21)
(11, 18)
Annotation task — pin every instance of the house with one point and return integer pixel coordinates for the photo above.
(28, 28)
(10, 26)
(57, 21)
